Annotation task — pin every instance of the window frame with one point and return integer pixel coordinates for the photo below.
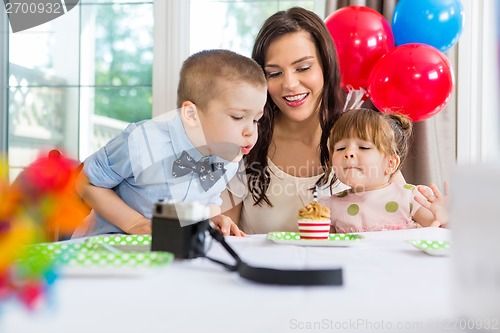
(171, 47)
(171, 35)
(477, 73)
(478, 122)
(4, 63)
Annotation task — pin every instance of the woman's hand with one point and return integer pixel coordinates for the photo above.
(226, 226)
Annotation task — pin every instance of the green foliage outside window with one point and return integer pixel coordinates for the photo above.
(247, 17)
(123, 61)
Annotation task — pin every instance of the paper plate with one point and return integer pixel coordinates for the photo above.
(432, 247)
(98, 255)
(293, 238)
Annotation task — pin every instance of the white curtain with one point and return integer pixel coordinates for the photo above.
(433, 152)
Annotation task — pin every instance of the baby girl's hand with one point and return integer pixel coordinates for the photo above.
(436, 203)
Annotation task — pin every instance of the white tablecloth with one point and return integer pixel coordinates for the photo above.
(388, 284)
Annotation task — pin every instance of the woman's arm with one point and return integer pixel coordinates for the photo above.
(109, 205)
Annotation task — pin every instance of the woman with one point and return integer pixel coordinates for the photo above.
(291, 155)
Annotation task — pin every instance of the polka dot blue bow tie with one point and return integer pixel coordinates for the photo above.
(209, 173)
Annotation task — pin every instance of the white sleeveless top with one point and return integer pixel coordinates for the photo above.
(287, 194)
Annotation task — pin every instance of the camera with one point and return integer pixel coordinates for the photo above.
(180, 228)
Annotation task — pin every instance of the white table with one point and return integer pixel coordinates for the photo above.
(387, 282)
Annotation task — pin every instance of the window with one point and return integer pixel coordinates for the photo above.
(184, 27)
(77, 81)
(234, 24)
(478, 120)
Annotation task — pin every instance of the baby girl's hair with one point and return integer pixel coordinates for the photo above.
(403, 130)
(389, 132)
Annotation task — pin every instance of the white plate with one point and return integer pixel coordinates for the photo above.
(293, 238)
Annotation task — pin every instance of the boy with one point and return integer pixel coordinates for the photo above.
(187, 155)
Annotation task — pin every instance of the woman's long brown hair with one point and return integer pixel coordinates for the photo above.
(333, 96)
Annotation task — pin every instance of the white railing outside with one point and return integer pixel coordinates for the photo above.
(38, 116)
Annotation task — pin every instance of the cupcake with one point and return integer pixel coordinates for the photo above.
(314, 221)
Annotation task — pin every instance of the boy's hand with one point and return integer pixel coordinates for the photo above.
(226, 226)
(141, 226)
(436, 203)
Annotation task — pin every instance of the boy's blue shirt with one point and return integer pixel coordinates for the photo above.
(137, 165)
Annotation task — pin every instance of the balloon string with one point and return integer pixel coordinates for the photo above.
(348, 98)
(356, 96)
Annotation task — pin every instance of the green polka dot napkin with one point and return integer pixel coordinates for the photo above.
(293, 238)
(99, 252)
(432, 247)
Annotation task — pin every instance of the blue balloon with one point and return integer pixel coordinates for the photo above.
(438, 23)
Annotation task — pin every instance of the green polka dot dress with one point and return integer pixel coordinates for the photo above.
(389, 208)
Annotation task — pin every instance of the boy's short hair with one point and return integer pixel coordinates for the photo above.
(205, 74)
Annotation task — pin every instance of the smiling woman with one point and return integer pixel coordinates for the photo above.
(295, 79)
(304, 98)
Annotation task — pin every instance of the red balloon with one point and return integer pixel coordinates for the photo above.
(414, 79)
(362, 36)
